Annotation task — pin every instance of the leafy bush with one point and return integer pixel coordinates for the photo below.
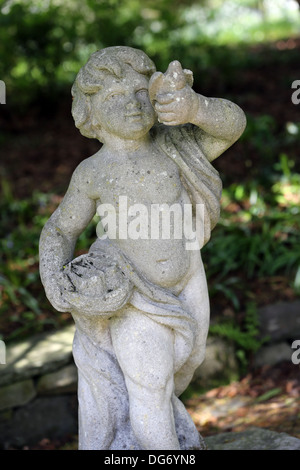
(258, 233)
(23, 305)
(244, 337)
(43, 44)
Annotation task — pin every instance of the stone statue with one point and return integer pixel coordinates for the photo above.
(139, 297)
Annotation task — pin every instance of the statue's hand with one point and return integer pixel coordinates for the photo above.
(172, 97)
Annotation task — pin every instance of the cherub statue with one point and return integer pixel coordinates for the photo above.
(140, 304)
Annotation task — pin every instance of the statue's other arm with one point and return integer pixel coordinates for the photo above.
(220, 124)
(60, 233)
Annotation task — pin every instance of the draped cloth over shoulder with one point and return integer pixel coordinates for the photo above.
(183, 145)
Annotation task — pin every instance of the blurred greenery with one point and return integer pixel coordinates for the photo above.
(42, 46)
(43, 43)
(258, 233)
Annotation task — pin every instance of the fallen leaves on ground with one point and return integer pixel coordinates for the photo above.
(268, 397)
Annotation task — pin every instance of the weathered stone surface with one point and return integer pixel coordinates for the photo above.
(253, 439)
(280, 321)
(62, 381)
(16, 394)
(45, 417)
(37, 355)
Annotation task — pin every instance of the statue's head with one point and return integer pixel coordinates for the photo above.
(92, 77)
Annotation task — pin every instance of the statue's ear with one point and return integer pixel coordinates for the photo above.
(82, 111)
(93, 120)
(95, 124)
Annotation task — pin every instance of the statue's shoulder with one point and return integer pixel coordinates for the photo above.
(86, 170)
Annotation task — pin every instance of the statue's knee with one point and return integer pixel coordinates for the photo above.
(150, 383)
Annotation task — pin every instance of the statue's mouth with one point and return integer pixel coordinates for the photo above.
(134, 113)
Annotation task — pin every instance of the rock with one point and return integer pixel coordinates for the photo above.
(45, 417)
(219, 364)
(273, 354)
(252, 439)
(16, 394)
(280, 321)
(35, 356)
(62, 381)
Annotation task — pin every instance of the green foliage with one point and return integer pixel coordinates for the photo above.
(269, 394)
(44, 43)
(20, 227)
(259, 232)
(22, 299)
(260, 133)
(244, 337)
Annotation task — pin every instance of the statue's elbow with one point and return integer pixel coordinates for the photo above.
(239, 125)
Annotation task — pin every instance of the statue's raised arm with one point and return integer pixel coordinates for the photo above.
(220, 121)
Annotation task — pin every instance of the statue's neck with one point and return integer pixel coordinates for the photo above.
(117, 145)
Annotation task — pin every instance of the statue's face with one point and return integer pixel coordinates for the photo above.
(122, 107)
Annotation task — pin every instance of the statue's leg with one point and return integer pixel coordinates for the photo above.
(195, 297)
(145, 351)
(188, 435)
(102, 396)
(96, 426)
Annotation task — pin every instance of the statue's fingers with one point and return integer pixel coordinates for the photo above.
(155, 83)
(166, 117)
(165, 98)
(170, 123)
(164, 108)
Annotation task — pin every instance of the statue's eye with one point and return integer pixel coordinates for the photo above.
(114, 94)
(142, 94)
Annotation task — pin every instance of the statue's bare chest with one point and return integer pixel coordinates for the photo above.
(150, 179)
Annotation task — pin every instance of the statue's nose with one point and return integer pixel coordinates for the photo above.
(133, 103)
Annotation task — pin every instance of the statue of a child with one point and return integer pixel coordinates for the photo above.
(140, 304)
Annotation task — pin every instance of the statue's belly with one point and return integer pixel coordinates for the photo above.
(163, 262)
